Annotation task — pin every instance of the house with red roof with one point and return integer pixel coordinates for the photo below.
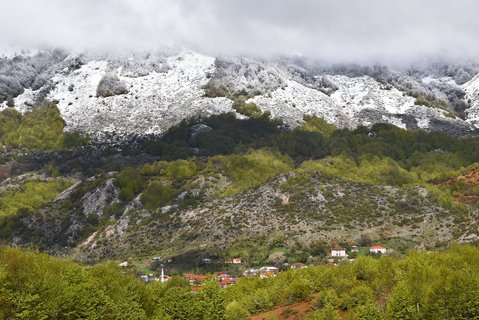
(195, 279)
(377, 249)
(225, 283)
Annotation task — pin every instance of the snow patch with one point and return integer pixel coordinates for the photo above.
(472, 97)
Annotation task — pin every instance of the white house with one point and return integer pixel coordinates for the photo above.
(377, 249)
(339, 252)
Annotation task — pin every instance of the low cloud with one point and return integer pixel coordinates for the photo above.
(373, 31)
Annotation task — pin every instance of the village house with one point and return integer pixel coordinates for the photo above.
(354, 249)
(223, 276)
(233, 261)
(377, 249)
(223, 284)
(267, 272)
(194, 279)
(251, 272)
(338, 252)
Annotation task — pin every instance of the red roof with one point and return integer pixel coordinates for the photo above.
(337, 248)
(194, 276)
(377, 247)
(225, 282)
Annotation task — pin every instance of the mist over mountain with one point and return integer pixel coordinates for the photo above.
(364, 32)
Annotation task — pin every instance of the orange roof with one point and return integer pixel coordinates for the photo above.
(377, 247)
(194, 276)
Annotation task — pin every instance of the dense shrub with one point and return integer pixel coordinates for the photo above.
(110, 85)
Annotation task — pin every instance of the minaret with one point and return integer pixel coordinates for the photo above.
(163, 278)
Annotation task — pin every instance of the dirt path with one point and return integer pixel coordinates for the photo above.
(295, 311)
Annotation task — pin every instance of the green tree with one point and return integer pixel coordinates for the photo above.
(235, 311)
(401, 305)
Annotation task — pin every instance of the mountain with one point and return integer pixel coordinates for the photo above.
(184, 155)
(148, 93)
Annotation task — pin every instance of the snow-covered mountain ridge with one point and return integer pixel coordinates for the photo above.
(162, 90)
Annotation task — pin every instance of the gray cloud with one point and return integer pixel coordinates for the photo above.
(338, 31)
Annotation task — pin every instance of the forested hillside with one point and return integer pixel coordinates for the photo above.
(419, 286)
(223, 186)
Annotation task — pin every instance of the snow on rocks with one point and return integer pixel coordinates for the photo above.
(357, 101)
(153, 104)
(158, 98)
(472, 97)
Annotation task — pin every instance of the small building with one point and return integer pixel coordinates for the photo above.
(124, 264)
(225, 283)
(338, 252)
(377, 249)
(223, 276)
(194, 279)
(267, 272)
(251, 272)
(233, 261)
(354, 249)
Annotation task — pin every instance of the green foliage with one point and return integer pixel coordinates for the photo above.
(302, 144)
(358, 296)
(401, 304)
(327, 297)
(35, 286)
(368, 312)
(432, 103)
(180, 170)
(315, 124)
(235, 311)
(129, 182)
(327, 313)
(40, 129)
(31, 196)
(10, 119)
(248, 109)
(251, 169)
(419, 286)
(156, 194)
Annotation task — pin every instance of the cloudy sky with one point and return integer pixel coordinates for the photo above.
(339, 30)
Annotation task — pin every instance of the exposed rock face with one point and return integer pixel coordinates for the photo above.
(147, 94)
